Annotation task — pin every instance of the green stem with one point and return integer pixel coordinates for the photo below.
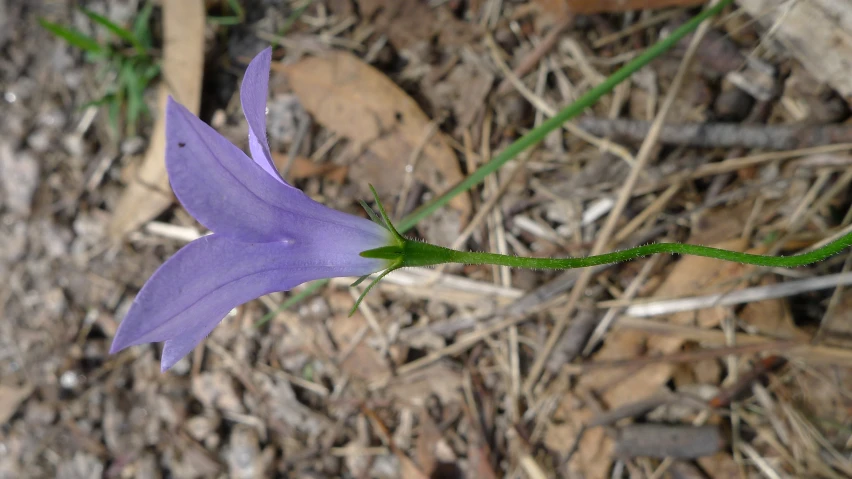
(415, 253)
(539, 133)
(532, 138)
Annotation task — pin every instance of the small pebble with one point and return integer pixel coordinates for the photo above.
(69, 380)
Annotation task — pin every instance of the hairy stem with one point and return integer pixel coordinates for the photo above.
(424, 254)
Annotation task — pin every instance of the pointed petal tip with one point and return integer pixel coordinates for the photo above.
(116, 346)
(253, 95)
(257, 73)
(173, 107)
(165, 366)
(122, 339)
(263, 58)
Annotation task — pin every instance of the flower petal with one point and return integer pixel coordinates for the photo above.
(175, 349)
(232, 196)
(191, 293)
(253, 94)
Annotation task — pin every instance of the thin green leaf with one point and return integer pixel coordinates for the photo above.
(113, 28)
(74, 37)
(142, 27)
(99, 102)
(370, 287)
(238, 17)
(97, 57)
(135, 96)
(372, 214)
(535, 136)
(114, 111)
(293, 18)
(147, 72)
(224, 21)
(237, 8)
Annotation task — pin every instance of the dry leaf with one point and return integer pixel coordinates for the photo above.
(302, 168)
(561, 436)
(439, 379)
(363, 362)
(412, 23)
(427, 437)
(720, 465)
(836, 329)
(149, 193)
(478, 460)
(355, 100)
(772, 317)
(10, 399)
(464, 91)
(815, 32)
(407, 468)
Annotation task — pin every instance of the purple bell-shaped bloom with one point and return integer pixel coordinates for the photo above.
(267, 235)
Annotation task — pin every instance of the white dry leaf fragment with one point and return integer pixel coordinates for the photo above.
(243, 454)
(283, 408)
(19, 174)
(216, 390)
(814, 32)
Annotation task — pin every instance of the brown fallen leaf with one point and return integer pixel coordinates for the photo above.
(772, 317)
(10, 399)
(412, 23)
(149, 193)
(836, 327)
(355, 100)
(362, 361)
(439, 380)
(302, 168)
(427, 437)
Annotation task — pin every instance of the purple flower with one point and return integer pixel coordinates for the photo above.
(267, 235)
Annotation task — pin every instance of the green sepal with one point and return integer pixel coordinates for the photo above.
(398, 237)
(403, 253)
(391, 253)
(372, 214)
(386, 272)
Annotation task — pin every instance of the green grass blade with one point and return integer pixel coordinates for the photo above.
(238, 17)
(538, 134)
(114, 110)
(135, 96)
(147, 73)
(115, 29)
(98, 103)
(142, 27)
(291, 301)
(74, 38)
(293, 18)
